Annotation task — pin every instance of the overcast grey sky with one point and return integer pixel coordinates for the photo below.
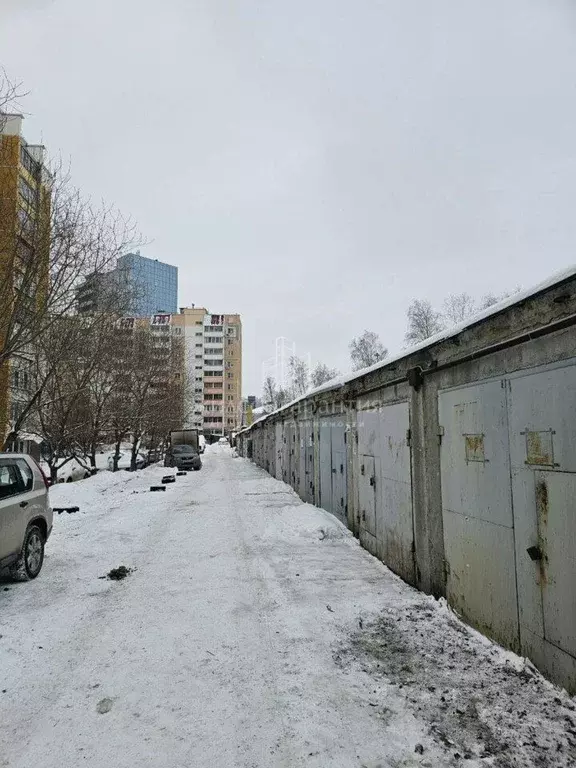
(316, 164)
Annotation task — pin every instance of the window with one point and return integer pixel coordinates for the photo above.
(10, 480)
(229, 342)
(198, 322)
(27, 192)
(229, 375)
(28, 161)
(26, 473)
(197, 367)
(199, 345)
(229, 386)
(198, 378)
(230, 421)
(198, 357)
(198, 333)
(16, 410)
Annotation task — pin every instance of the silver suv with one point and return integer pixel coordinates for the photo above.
(25, 515)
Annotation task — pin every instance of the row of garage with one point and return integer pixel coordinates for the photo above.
(455, 464)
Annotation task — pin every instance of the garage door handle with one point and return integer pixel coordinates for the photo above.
(535, 553)
(23, 503)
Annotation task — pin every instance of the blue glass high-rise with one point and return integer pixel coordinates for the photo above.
(154, 285)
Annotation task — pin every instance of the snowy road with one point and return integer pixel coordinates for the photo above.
(255, 633)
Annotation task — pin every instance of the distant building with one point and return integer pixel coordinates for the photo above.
(25, 205)
(213, 362)
(152, 283)
(93, 294)
(143, 287)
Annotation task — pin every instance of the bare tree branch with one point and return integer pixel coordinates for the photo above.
(423, 321)
(321, 374)
(366, 350)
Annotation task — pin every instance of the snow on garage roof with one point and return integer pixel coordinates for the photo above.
(517, 298)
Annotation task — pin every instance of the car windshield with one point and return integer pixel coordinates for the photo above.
(183, 449)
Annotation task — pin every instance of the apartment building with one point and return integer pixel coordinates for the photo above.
(24, 251)
(213, 362)
(151, 343)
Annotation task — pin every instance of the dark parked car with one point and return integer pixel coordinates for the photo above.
(182, 457)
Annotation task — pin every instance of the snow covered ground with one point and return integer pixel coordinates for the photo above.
(254, 632)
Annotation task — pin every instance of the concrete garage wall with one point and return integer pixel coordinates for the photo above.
(455, 464)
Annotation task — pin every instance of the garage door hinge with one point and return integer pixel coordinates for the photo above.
(409, 437)
(446, 568)
(440, 433)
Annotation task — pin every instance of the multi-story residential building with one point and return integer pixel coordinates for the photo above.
(213, 361)
(159, 359)
(143, 287)
(24, 252)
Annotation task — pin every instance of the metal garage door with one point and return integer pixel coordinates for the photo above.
(542, 419)
(383, 435)
(476, 508)
(325, 457)
(339, 473)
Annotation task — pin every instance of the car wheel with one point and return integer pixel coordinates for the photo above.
(69, 479)
(29, 563)
(86, 475)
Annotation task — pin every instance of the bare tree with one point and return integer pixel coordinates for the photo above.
(283, 397)
(97, 397)
(59, 399)
(10, 94)
(50, 244)
(150, 396)
(423, 321)
(489, 299)
(321, 374)
(300, 376)
(366, 350)
(269, 392)
(458, 307)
